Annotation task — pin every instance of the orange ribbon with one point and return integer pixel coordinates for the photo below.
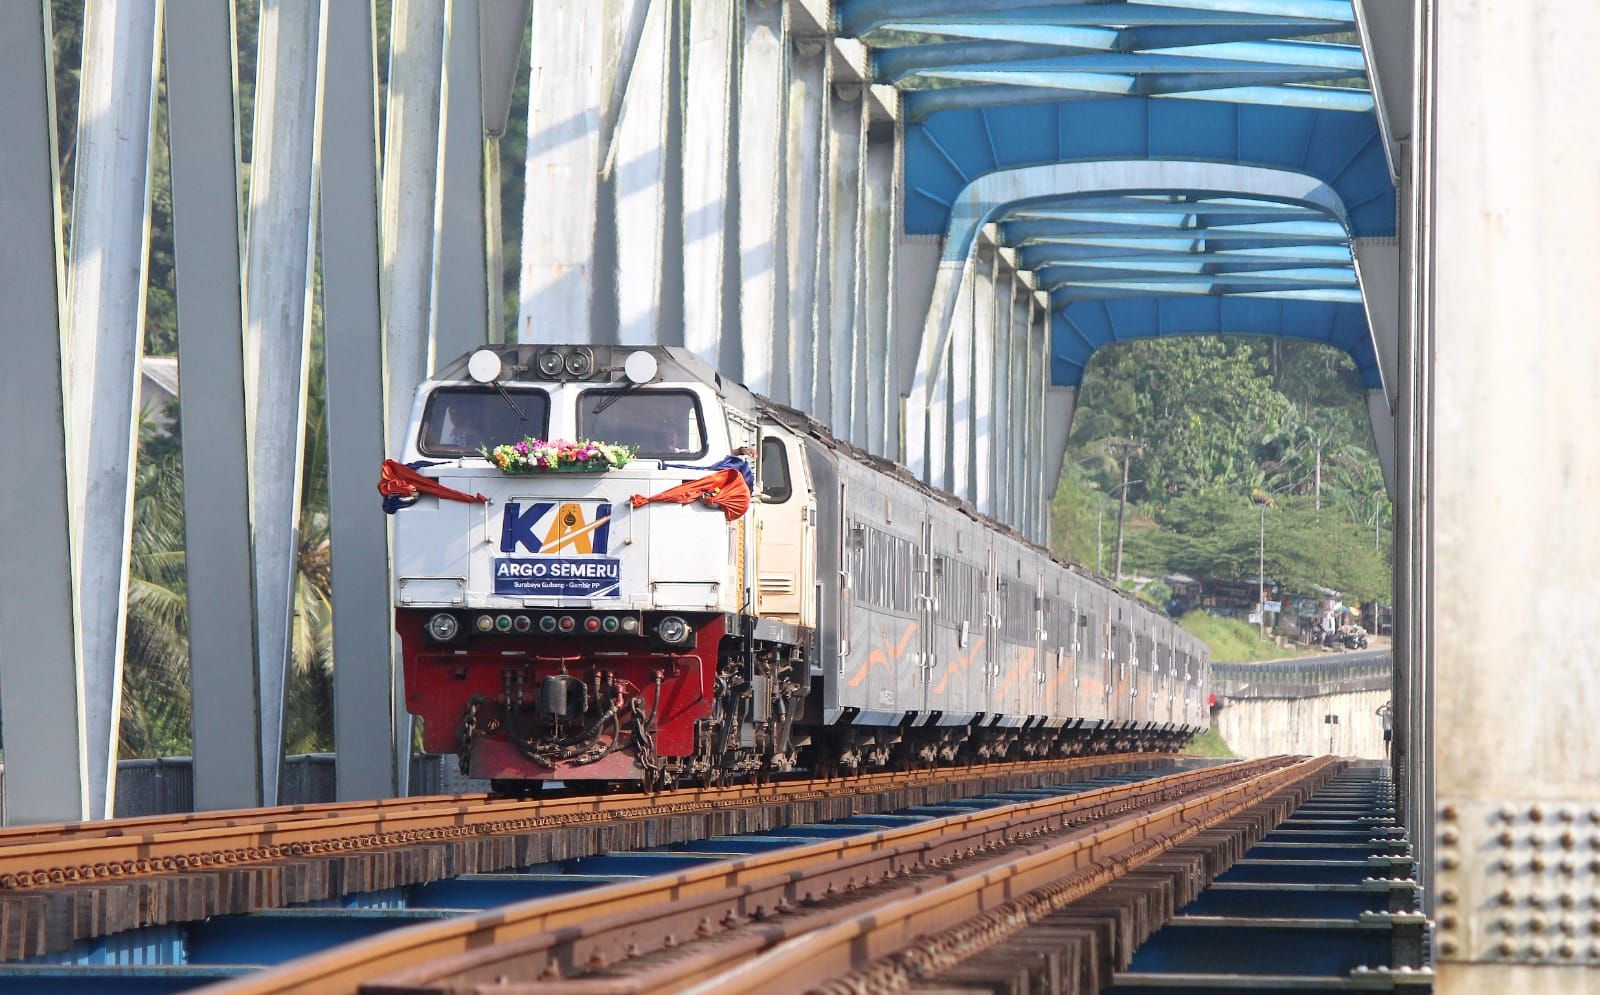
(724, 489)
(399, 480)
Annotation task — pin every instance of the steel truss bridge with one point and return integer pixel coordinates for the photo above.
(915, 219)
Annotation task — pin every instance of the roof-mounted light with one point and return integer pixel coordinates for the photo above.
(640, 367)
(484, 366)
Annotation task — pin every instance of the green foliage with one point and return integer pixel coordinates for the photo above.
(1232, 640)
(1216, 536)
(1209, 743)
(1220, 427)
(1201, 410)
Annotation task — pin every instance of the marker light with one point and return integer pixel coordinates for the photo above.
(567, 623)
(580, 363)
(673, 629)
(630, 624)
(443, 627)
(592, 624)
(610, 623)
(547, 623)
(523, 623)
(485, 623)
(503, 623)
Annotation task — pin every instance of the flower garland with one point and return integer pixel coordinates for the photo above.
(542, 455)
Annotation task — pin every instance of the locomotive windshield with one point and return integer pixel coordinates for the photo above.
(458, 420)
(662, 424)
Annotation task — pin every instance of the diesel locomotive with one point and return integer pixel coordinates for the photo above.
(746, 594)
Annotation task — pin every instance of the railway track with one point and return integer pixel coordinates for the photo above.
(67, 883)
(870, 913)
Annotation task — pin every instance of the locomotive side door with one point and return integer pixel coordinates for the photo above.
(783, 511)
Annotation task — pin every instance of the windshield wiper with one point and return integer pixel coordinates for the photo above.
(507, 395)
(611, 399)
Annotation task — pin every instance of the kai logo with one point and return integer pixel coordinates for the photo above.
(548, 528)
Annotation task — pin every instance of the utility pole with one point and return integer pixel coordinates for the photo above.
(1261, 576)
(1100, 537)
(1127, 447)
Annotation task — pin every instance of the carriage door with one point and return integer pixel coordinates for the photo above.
(1037, 693)
(926, 621)
(992, 605)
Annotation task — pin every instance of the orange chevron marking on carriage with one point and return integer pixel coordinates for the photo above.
(1024, 661)
(961, 662)
(879, 658)
(1065, 673)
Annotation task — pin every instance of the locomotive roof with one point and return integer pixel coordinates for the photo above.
(798, 421)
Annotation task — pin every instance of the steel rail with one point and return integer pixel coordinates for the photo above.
(610, 924)
(942, 926)
(78, 853)
(135, 825)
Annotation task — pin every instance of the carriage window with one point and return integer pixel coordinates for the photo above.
(661, 424)
(774, 469)
(458, 420)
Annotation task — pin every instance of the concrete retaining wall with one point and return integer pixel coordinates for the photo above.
(1260, 727)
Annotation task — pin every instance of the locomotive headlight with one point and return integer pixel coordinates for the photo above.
(443, 627)
(550, 364)
(673, 630)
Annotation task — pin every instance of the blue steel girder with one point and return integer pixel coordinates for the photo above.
(948, 151)
(992, 89)
(953, 54)
(1083, 327)
(1131, 249)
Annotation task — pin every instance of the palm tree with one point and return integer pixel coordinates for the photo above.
(155, 699)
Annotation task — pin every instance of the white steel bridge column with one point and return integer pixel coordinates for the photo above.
(1040, 484)
(639, 156)
(991, 297)
(204, 139)
(877, 392)
(804, 162)
(410, 172)
(1059, 405)
(278, 280)
(1027, 435)
(559, 219)
(1000, 375)
(1508, 592)
(365, 678)
(41, 689)
(837, 287)
(105, 313)
(706, 175)
(959, 374)
(1017, 416)
(458, 316)
(763, 259)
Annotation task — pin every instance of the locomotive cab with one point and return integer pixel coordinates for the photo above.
(558, 618)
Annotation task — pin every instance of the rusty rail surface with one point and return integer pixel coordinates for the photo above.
(692, 927)
(46, 857)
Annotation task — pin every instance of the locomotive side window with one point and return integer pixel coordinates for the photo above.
(458, 420)
(774, 470)
(662, 424)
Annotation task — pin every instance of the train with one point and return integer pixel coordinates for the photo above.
(701, 585)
